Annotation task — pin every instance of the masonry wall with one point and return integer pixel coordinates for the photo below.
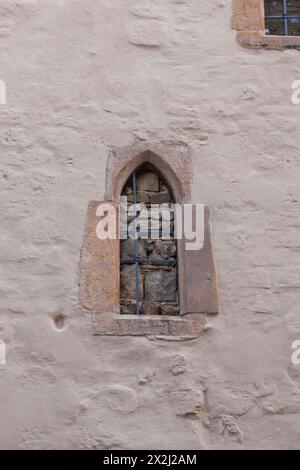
(83, 76)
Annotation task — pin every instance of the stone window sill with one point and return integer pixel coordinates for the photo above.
(257, 40)
(110, 324)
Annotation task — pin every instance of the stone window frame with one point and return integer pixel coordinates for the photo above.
(249, 20)
(100, 259)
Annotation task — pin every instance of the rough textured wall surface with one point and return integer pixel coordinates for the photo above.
(83, 76)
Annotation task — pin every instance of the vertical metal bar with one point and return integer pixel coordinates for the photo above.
(285, 18)
(136, 251)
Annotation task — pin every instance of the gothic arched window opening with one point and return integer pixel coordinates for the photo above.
(156, 285)
(148, 254)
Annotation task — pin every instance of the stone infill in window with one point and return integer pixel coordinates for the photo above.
(249, 20)
(156, 268)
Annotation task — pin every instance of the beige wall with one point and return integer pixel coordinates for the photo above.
(83, 76)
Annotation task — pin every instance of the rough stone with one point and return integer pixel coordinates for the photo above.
(160, 198)
(149, 308)
(164, 248)
(128, 286)
(169, 309)
(147, 182)
(127, 248)
(160, 286)
(140, 197)
(127, 308)
(128, 190)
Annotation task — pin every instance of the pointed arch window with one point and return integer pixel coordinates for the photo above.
(148, 270)
(153, 285)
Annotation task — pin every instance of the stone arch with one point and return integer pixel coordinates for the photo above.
(173, 162)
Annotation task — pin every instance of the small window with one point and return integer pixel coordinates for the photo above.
(267, 24)
(148, 263)
(282, 17)
(154, 285)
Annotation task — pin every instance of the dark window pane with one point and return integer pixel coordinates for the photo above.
(294, 27)
(275, 27)
(293, 7)
(274, 7)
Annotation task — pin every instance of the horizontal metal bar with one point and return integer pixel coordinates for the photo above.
(282, 17)
(169, 262)
(146, 236)
(146, 231)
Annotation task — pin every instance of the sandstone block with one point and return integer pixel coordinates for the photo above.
(100, 264)
(201, 283)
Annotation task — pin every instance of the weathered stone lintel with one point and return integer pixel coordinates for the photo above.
(110, 324)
